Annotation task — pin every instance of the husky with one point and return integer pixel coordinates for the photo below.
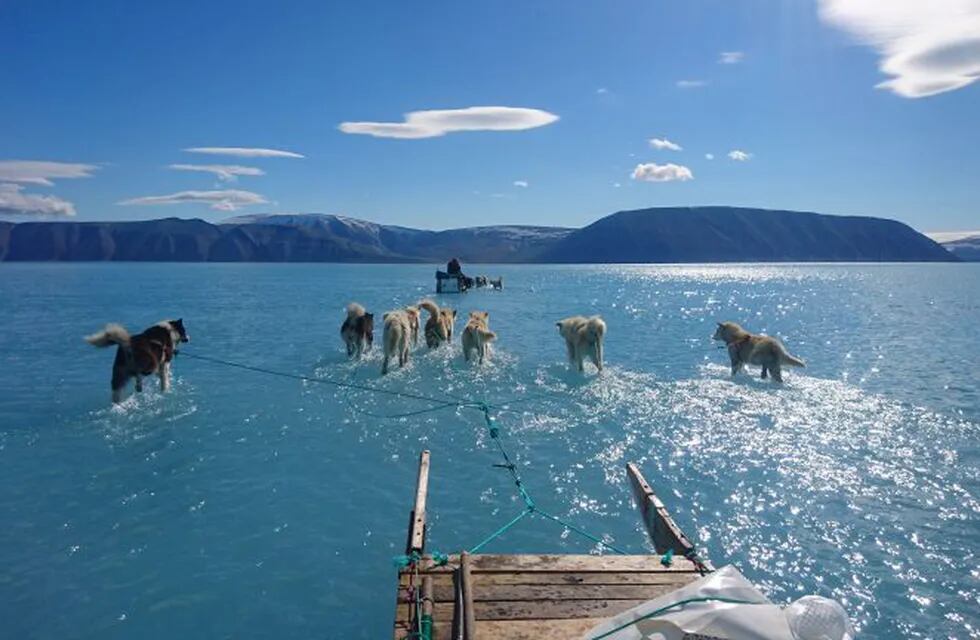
(497, 284)
(746, 348)
(583, 339)
(357, 330)
(396, 337)
(413, 314)
(439, 326)
(141, 355)
(477, 335)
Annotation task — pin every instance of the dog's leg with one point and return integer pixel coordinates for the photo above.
(384, 365)
(164, 374)
(598, 354)
(765, 371)
(117, 396)
(139, 384)
(777, 372)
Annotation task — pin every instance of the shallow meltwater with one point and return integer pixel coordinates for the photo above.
(249, 504)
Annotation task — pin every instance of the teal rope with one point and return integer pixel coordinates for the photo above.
(437, 404)
(656, 613)
(499, 532)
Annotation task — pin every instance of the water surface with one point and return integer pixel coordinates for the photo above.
(244, 505)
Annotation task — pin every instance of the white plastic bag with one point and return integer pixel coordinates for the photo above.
(725, 605)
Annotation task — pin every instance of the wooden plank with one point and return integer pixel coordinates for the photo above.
(533, 592)
(538, 610)
(575, 563)
(536, 629)
(469, 612)
(564, 577)
(663, 531)
(416, 530)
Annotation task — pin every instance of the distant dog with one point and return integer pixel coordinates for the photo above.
(141, 355)
(357, 330)
(397, 336)
(746, 348)
(583, 339)
(439, 326)
(477, 335)
(413, 322)
(498, 283)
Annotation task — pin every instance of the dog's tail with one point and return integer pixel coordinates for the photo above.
(354, 310)
(786, 358)
(430, 306)
(112, 334)
(487, 335)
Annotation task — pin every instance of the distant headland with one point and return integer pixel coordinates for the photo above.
(655, 235)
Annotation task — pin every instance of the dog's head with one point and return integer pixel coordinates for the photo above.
(726, 331)
(177, 327)
(596, 327)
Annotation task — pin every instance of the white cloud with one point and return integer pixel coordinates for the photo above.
(709, 156)
(690, 84)
(13, 201)
(42, 172)
(245, 152)
(730, 57)
(602, 90)
(927, 46)
(429, 124)
(616, 185)
(664, 143)
(226, 172)
(222, 200)
(521, 183)
(653, 172)
(740, 156)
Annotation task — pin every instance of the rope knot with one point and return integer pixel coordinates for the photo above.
(439, 559)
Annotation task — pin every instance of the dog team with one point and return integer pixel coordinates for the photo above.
(152, 351)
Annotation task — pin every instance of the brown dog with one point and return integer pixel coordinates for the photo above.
(747, 348)
(439, 326)
(477, 335)
(141, 355)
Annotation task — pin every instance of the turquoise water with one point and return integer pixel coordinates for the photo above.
(242, 505)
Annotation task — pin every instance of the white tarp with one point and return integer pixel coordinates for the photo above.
(725, 605)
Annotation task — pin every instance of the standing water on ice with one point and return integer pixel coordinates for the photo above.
(250, 506)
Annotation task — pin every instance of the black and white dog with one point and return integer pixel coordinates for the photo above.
(141, 355)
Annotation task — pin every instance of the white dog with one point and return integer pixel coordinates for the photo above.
(583, 339)
(397, 336)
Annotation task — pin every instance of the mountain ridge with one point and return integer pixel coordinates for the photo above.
(654, 235)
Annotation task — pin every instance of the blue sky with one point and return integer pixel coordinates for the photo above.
(116, 91)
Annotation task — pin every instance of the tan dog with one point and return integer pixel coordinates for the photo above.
(477, 335)
(746, 348)
(396, 337)
(413, 322)
(583, 339)
(439, 326)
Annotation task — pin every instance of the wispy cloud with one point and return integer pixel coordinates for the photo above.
(226, 172)
(220, 200)
(245, 152)
(730, 57)
(739, 155)
(602, 90)
(13, 201)
(927, 46)
(653, 172)
(42, 172)
(664, 143)
(691, 84)
(709, 156)
(521, 183)
(430, 124)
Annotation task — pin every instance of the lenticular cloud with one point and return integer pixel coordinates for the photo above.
(439, 122)
(927, 46)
